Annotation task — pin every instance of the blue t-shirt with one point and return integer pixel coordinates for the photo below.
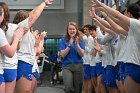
(72, 56)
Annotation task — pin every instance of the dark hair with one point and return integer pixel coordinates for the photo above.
(20, 16)
(87, 26)
(6, 15)
(93, 27)
(134, 9)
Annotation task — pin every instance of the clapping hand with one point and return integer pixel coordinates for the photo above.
(77, 40)
(20, 32)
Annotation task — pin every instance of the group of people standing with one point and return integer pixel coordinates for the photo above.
(104, 58)
(20, 48)
(100, 59)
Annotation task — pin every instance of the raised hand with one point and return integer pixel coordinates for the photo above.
(71, 41)
(92, 15)
(92, 12)
(48, 2)
(97, 47)
(42, 35)
(96, 3)
(35, 33)
(77, 40)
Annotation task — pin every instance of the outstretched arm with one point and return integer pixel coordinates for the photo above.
(116, 28)
(113, 12)
(35, 13)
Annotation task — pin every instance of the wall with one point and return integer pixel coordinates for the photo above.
(54, 21)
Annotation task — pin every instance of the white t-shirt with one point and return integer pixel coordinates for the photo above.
(106, 40)
(88, 50)
(130, 52)
(120, 43)
(26, 52)
(10, 63)
(93, 57)
(3, 42)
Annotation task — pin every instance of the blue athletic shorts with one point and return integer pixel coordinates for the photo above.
(87, 71)
(10, 75)
(133, 71)
(36, 75)
(99, 68)
(24, 70)
(109, 76)
(120, 71)
(1, 79)
(93, 71)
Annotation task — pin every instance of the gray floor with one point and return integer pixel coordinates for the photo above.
(49, 90)
(44, 85)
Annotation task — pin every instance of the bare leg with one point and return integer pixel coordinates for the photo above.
(2, 88)
(34, 84)
(23, 85)
(100, 85)
(113, 90)
(10, 86)
(131, 86)
(120, 86)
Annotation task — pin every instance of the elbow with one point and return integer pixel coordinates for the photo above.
(10, 55)
(82, 54)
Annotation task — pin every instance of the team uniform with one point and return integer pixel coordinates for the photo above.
(87, 57)
(3, 42)
(109, 73)
(120, 65)
(26, 54)
(93, 61)
(130, 53)
(10, 64)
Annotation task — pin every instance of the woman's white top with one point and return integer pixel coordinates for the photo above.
(106, 41)
(11, 63)
(3, 42)
(130, 52)
(26, 52)
(93, 57)
(88, 50)
(120, 43)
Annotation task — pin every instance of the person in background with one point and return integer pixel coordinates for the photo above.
(39, 42)
(72, 48)
(54, 65)
(87, 83)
